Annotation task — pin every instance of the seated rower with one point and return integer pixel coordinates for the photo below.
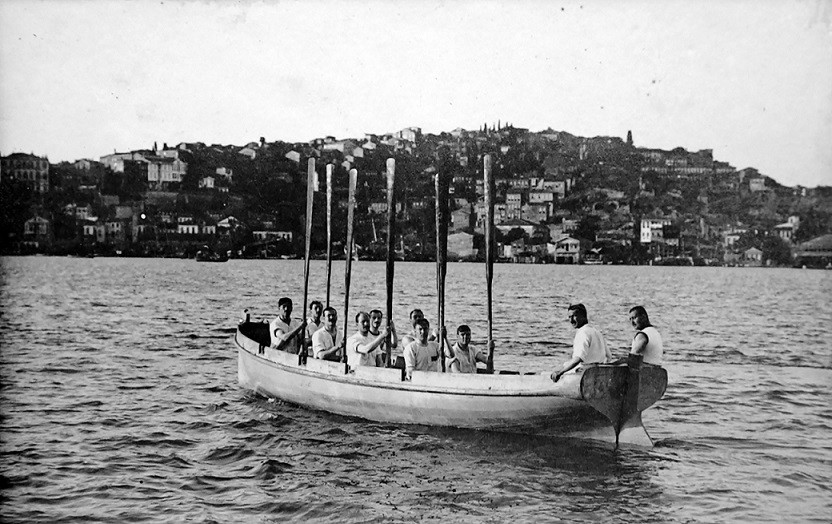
(375, 329)
(462, 358)
(284, 330)
(361, 344)
(588, 347)
(415, 316)
(421, 354)
(327, 342)
(313, 321)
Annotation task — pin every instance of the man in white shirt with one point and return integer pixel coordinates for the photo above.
(361, 344)
(327, 342)
(461, 357)
(421, 354)
(647, 340)
(284, 330)
(589, 346)
(376, 317)
(313, 321)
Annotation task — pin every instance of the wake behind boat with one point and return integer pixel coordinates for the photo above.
(598, 401)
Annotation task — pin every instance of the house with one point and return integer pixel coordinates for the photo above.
(461, 218)
(757, 184)
(461, 246)
(206, 182)
(36, 230)
(31, 169)
(787, 229)
(652, 229)
(270, 234)
(527, 227)
(248, 152)
(569, 250)
(753, 256)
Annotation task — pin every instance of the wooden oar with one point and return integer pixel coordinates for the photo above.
(441, 257)
(310, 197)
(488, 186)
(348, 271)
(391, 247)
(329, 168)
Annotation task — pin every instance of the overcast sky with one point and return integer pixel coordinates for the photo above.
(751, 80)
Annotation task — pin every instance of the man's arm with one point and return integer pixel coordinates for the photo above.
(555, 376)
(482, 357)
(409, 361)
(639, 344)
(286, 338)
(366, 348)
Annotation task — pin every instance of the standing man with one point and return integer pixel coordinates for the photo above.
(328, 342)
(421, 354)
(647, 341)
(588, 347)
(361, 344)
(284, 330)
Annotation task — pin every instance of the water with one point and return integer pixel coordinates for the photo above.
(119, 399)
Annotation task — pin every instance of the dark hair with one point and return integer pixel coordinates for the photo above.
(283, 301)
(414, 311)
(425, 323)
(640, 311)
(312, 304)
(358, 315)
(376, 312)
(577, 307)
(463, 328)
(330, 309)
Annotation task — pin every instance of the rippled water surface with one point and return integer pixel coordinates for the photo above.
(119, 399)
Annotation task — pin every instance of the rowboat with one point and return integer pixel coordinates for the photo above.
(600, 402)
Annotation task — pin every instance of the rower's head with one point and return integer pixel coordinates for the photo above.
(362, 319)
(577, 315)
(422, 330)
(330, 317)
(375, 319)
(284, 305)
(639, 318)
(315, 310)
(463, 335)
(415, 316)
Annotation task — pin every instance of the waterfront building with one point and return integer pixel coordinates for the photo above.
(33, 170)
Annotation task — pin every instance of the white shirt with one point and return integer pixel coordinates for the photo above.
(421, 358)
(654, 351)
(322, 341)
(589, 346)
(354, 356)
(279, 329)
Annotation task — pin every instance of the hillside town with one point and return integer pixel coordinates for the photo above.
(560, 198)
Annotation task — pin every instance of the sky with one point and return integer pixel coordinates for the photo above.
(750, 79)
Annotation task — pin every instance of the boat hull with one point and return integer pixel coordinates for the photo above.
(527, 404)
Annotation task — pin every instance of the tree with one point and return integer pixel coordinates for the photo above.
(814, 224)
(776, 250)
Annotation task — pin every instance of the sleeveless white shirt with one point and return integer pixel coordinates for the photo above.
(654, 352)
